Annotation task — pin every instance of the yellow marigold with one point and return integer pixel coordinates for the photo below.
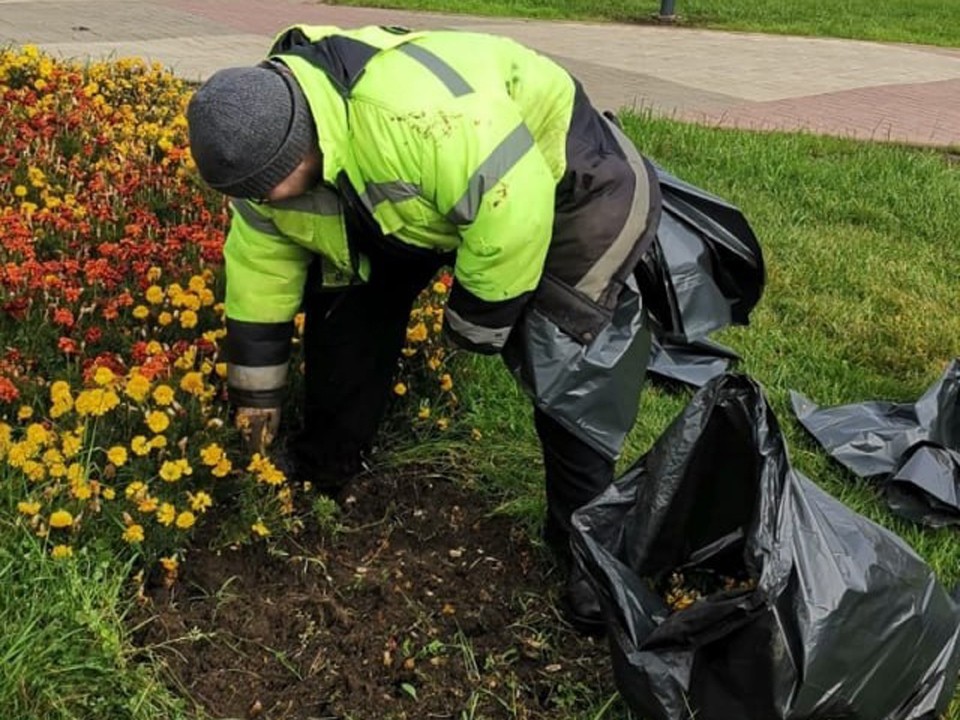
(166, 514)
(170, 564)
(424, 413)
(200, 501)
(211, 454)
(60, 408)
(186, 361)
(188, 319)
(38, 435)
(446, 382)
(57, 470)
(61, 519)
(139, 445)
(141, 312)
(70, 444)
(186, 520)
(96, 402)
(418, 333)
(439, 288)
(135, 489)
(196, 283)
(157, 421)
(108, 493)
(443, 423)
(153, 274)
(158, 441)
(400, 389)
(192, 383)
(154, 295)
(164, 319)
(207, 298)
(170, 471)
(133, 534)
(222, 468)
(34, 470)
(148, 504)
(25, 412)
(260, 529)
(81, 490)
(6, 435)
(163, 394)
(28, 508)
(52, 456)
(137, 387)
(117, 455)
(154, 348)
(60, 552)
(433, 363)
(221, 369)
(104, 376)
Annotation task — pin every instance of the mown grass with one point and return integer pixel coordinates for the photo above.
(862, 243)
(932, 22)
(65, 651)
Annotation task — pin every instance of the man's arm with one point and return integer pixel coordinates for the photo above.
(266, 273)
(494, 184)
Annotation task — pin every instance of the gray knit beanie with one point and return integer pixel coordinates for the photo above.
(249, 128)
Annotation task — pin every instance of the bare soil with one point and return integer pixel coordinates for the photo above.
(418, 602)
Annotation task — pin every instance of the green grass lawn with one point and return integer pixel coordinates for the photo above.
(931, 22)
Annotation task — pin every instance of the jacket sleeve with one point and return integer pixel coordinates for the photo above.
(265, 273)
(492, 182)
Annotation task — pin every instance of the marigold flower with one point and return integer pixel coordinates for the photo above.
(61, 519)
(418, 333)
(166, 514)
(141, 312)
(222, 468)
(186, 520)
(157, 421)
(154, 274)
(192, 383)
(424, 413)
(139, 445)
(104, 376)
(70, 444)
(171, 471)
(164, 319)
(108, 493)
(446, 382)
(158, 441)
(28, 508)
(211, 454)
(400, 389)
(117, 455)
(170, 564)
(133, 534)
(61, 552)
(443, 423)
(188, 319)
(163, 395)
(200, 501)
(260, 529)
(221, 369)
(439, 288)
(97, 402)
(25, 412)
(137, 387)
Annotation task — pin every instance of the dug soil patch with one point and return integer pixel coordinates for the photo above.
(416, 603)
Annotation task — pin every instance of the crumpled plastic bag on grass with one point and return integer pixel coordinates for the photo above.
(841, 619)
(912, 446)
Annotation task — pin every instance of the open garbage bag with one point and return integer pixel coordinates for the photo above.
(905, 443)
(819, 614)
(705, 270)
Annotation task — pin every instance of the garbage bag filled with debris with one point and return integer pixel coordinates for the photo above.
(733, 587)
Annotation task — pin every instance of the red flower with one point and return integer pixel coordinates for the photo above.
(63, 316)
(8, 391)
(67, 345)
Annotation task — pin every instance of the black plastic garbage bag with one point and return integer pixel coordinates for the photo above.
(925, 487)
(912, 447)
(705, 269)
(871, 438)
(835, 617)
(692, 364)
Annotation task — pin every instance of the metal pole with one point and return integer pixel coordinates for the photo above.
(668, 10)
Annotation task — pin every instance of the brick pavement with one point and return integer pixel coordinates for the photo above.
(865, 90)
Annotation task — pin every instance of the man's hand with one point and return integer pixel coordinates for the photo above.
(258, 427)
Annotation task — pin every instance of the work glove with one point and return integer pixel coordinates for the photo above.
(258, 427)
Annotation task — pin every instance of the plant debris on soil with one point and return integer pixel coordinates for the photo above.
(414, 601)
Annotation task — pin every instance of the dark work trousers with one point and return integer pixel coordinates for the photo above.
(352, 341)
(575, 473)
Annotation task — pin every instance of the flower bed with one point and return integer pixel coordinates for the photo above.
(113, 410)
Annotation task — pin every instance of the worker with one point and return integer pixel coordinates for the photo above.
(359, 162)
